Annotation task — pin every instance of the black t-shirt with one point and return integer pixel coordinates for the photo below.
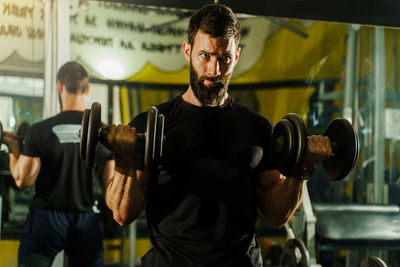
(201, 204)
(64, 182)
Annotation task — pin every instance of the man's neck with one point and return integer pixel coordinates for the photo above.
(74, 102)
(191, 99)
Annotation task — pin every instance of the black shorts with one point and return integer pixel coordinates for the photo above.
(47, 232)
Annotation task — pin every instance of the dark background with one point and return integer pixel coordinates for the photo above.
(369, 12)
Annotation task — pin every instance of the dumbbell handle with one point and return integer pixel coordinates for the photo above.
(334, 147)
(104, 131)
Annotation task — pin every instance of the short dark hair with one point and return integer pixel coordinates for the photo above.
(215, 19)
(74, 76)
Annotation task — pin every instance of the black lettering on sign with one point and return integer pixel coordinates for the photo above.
(125, 25)
(118, 24)
(83, 39)
(127, 44)
(90, 20)
(170, 31)
(159, 47)
(124, 7)
(17, 11)
(10, 30)
(6, 9)
(34, 33)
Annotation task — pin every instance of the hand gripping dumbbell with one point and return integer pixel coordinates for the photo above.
(289, 145)
(21, 132)
(92, 132)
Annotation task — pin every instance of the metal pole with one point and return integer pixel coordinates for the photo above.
(350, 80)
(379, 114)
(56, 39)
(132, 243)
(132, 226)
(393, 104)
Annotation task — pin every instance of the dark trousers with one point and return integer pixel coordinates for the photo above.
(47, 232)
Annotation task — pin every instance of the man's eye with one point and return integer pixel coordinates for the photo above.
(226, 59)
(205, 55)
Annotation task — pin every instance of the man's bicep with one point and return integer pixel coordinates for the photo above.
(28, 170)
(269, 179)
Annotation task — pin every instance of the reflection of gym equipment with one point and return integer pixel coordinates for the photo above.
(289, 145)
(372, 261)
(345, 226)
(13, 202)
(91, 133)
(294, 253)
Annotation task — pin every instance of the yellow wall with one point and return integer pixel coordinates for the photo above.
(8, 253)
(112, 252)
(9, 250)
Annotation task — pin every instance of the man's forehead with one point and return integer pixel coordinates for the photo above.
(204, 41)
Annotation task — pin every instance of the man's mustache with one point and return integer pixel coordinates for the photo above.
(212, 79)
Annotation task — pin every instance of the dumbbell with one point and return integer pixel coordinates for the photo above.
(1, 133)
(21, 132)
(92, 132)
(289, 145)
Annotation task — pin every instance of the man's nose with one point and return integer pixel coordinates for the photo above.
(213, 67)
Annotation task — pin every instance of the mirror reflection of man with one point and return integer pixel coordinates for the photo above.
(61, 215)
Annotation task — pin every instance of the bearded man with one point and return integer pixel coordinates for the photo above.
(215, 174)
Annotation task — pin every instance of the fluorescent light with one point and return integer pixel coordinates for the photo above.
(112, 68)
(12, 121)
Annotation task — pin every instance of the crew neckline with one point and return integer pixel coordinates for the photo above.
(188, 106)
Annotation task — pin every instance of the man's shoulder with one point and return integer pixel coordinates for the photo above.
(250, 114)
(43, 123)
(50, 122)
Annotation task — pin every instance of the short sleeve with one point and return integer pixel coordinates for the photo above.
(265, 135)
(31, 143)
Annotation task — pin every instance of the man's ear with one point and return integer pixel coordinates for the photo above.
(186, 50)
(237, 54)
(86, 92)
(60, 87)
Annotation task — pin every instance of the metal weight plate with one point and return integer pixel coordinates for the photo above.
(295, 254)
(22, 130)
(151, 128)
(1, 133)
(83, 133)
(344, 141)
(282, 147)
(159, 137)
(301, 142)
(93, 134)
(372, 261)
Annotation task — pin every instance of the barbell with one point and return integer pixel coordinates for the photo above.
(289, 146)
(92, 132)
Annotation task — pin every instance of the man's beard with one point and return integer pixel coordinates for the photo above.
(208, 95)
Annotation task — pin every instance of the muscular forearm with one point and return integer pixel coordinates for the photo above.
(15, 172)
(125, 195)
(278, 204)
(24, 170)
